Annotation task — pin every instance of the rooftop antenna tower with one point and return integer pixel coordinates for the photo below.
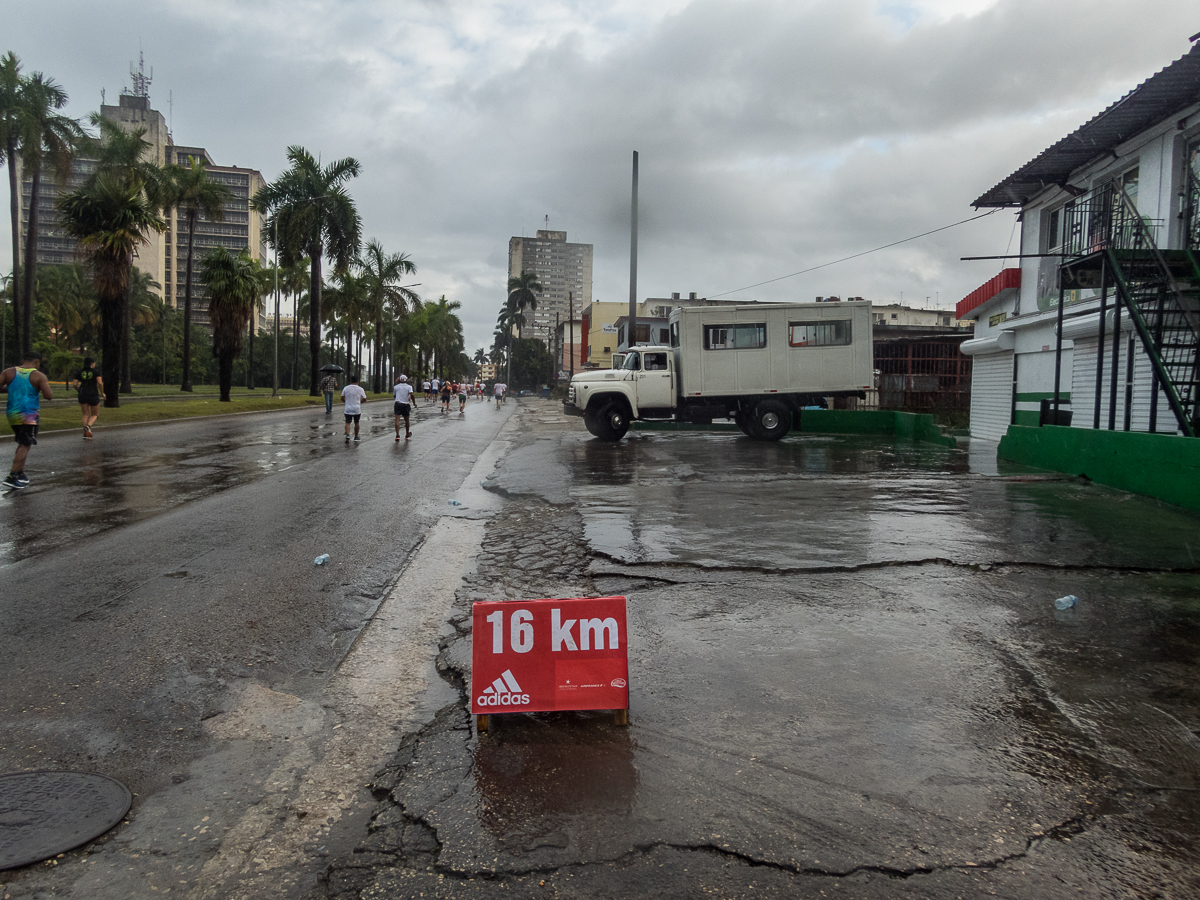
(141, 81)
(170, 112)
(547, 222)
(103, 99)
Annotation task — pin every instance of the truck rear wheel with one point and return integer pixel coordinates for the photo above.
(743, 422)
(612, 422)
(770, 420)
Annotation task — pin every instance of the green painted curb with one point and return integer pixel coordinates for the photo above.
(1163, 466)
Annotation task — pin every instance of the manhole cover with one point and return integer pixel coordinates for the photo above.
(43, 814)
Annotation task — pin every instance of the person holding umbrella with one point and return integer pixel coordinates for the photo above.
(329, 385)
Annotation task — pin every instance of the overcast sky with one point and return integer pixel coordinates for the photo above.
(774, 136)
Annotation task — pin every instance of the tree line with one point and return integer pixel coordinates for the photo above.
(309, 219)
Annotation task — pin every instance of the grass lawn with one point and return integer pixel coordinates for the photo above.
(154, 403)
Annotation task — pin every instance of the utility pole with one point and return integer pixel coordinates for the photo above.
(275, 241)
(633, 242)
(571, 325)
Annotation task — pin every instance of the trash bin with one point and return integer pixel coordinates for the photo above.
(546, 393)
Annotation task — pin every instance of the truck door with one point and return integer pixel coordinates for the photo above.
(655, 387)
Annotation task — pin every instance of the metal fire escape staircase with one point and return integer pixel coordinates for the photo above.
(1110, 246)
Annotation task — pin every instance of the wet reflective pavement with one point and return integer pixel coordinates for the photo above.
(847, 675)
(164, 623)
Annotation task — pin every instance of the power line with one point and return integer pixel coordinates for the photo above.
(857, 255)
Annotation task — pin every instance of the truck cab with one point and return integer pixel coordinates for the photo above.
(644, 387)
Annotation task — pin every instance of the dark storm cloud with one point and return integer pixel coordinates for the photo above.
(774, 135)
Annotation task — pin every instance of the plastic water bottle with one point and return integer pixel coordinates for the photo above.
(455, 503)
(1066, 602)
(321, 560)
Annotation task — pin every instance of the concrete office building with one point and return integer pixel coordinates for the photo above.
(163, 256)
(562, 269)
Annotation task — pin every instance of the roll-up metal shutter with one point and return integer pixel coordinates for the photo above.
(991, 395)
(1083, 395)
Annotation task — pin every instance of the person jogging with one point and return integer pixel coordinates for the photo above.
(405, 399)
(444, 396)
(329, 388)
(90, 386)
(25, 383)
(354, 395)
(462, 397)
(499, 389)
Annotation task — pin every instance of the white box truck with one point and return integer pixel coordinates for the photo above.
(755, 364)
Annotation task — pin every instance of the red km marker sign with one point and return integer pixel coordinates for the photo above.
(544, 655)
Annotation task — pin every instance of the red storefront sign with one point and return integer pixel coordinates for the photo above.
(543, 655)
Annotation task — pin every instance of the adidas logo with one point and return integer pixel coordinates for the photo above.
(504, 691)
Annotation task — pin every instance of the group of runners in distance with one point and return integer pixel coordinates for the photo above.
(27, 385)
(404, 399)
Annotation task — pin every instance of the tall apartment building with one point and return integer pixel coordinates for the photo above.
(561, 269)
(163, 256)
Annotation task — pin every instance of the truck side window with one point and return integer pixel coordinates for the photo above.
(656, 362)
(674, 334)
(735, 337)
(829, 333)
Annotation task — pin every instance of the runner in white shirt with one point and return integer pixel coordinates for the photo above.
(499, 393)
(405, 395)
(426, 387)
(354, 395)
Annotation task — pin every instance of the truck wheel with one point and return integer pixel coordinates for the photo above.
(612, 422)
(741, 421)
(591, 424)
(770, 421)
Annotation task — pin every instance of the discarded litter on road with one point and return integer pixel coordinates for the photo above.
(1066, 602)
(321, 560)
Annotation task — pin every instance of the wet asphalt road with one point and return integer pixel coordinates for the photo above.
(847, 678)
(153, 575)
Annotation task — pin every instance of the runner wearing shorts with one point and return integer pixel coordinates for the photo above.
(405, 399)
(462, 397)
(354, 395)
(25, 384)
(89, 385)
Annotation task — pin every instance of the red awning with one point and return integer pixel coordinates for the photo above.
(1007, 280)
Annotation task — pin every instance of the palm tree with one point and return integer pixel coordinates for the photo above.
(110, 219)
(314, 216)
(121, 154)
(522, 293)
(192, 192)
(10, 142)
(294, 282)
(234, 284)
(480, 357)
(381, 274)
(444, 332)
(46, 136)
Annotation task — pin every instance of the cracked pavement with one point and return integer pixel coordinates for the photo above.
(847, 678)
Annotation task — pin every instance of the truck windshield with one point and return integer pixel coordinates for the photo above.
(631, 362)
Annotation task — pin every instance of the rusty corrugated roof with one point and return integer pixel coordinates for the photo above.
(1169, 91)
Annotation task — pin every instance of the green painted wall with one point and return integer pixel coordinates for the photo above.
(910, 426)
(1159, 465)
(913, 426)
